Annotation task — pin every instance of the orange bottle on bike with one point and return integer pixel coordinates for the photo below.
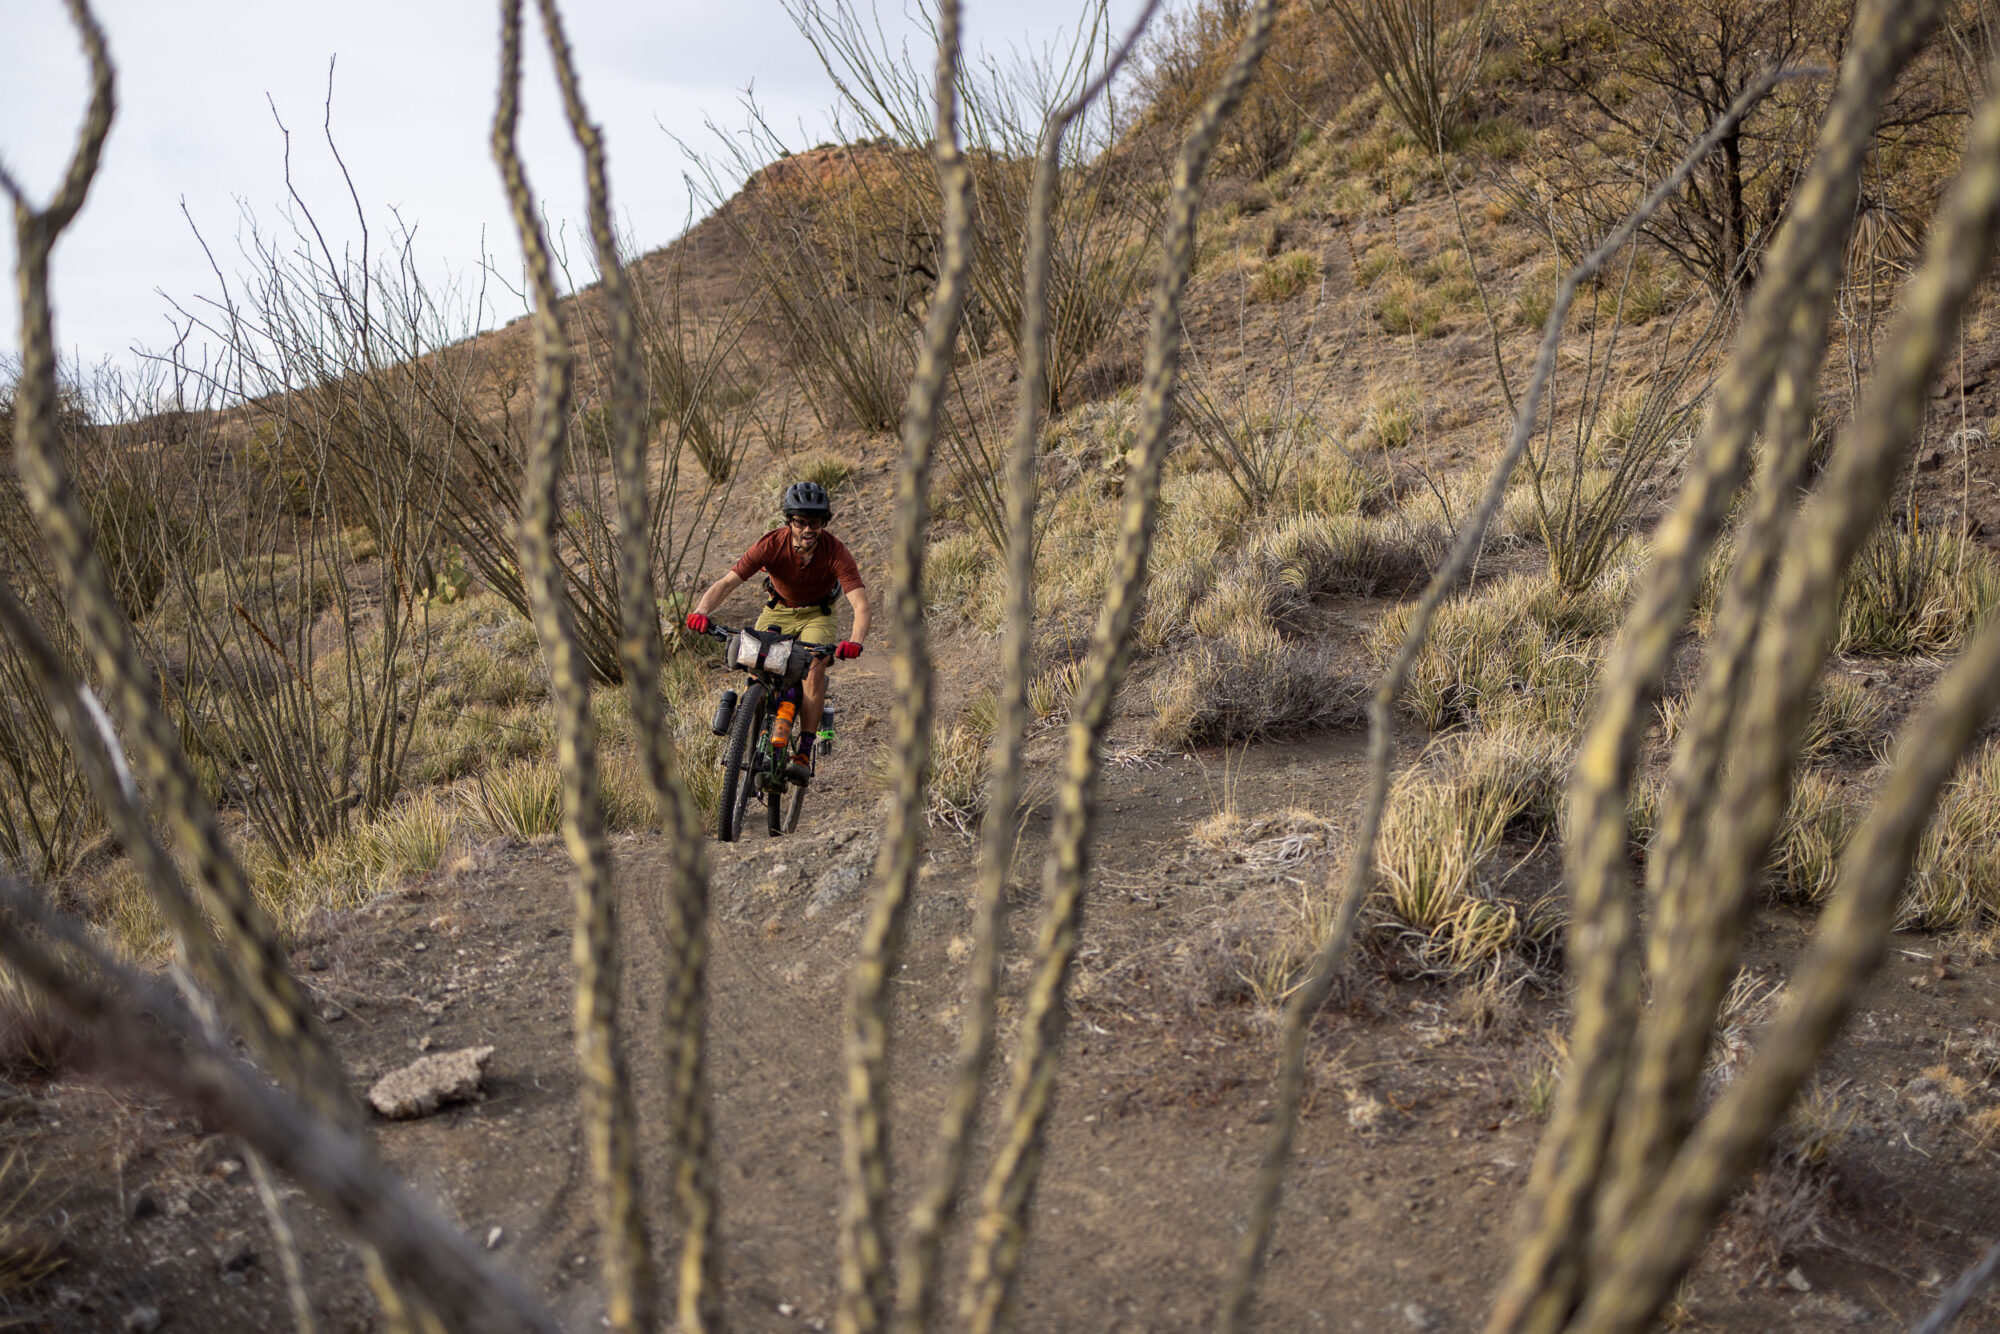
(781, 726)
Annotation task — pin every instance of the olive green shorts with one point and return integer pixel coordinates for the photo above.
(810, 624)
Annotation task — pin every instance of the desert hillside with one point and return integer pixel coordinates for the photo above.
(1504, 703)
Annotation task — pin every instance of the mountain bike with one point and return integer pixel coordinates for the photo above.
(758, 761)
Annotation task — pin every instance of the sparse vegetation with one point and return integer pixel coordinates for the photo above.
(339, 612)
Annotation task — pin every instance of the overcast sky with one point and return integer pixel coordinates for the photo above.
(199, 82)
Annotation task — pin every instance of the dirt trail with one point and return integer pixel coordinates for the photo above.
(1411, 1158)
(1419, 1126)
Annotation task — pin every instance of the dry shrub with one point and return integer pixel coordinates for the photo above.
(1594, 475)
(1250, 681)
(1302, 70)
(845, 240)
(1424, 55)
(48, 823)
(837, 239)
(1644, 80)
(1520, 649)
(1782, 1208)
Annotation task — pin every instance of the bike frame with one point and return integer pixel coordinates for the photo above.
(758, 763)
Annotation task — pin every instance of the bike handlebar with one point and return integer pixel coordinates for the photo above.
(717, 630)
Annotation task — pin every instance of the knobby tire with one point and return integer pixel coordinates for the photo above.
(737, 761)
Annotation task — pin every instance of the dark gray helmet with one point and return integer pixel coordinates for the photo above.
(807, 500)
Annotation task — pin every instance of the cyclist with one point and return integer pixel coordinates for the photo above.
(805, 569)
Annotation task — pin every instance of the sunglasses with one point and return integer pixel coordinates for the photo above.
(797, 521)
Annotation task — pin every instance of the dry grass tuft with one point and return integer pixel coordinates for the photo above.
(1392, 415)
(1286, 276)
(1918, 591)
(1956, 879)
(955, 570)
(35, 1039)
(1805, 857)
(1436, 834)
(1546, 1068)
(1250, 681)
(1819, 1123)
(29, 1252)
(1846, 721)
(409, 841)
(1520, 650)
(523, 800)
(957, 793)
(955, 797)
(1052, 692)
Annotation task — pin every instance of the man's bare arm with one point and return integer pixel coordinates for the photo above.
(859, 597)
(718, 592)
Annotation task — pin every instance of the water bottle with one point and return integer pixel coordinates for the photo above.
(725, 712)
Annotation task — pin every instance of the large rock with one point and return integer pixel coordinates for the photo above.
(420, 1088)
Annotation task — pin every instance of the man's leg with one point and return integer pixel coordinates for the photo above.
(814, 702)
(818, 629)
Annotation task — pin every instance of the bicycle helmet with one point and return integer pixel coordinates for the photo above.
(807, 500)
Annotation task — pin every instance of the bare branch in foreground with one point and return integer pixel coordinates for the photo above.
(127, 1019)
(1312, 993)
(608, 1119)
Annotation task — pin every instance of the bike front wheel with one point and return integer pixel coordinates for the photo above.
(739, 760)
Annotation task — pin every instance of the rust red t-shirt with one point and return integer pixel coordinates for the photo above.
(801, 583)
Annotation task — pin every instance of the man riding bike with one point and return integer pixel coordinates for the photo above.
(805, 569)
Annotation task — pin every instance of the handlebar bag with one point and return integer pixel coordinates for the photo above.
(768, 651)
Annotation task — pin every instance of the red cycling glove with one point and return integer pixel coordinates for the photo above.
(697, 622)
(847, 648)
